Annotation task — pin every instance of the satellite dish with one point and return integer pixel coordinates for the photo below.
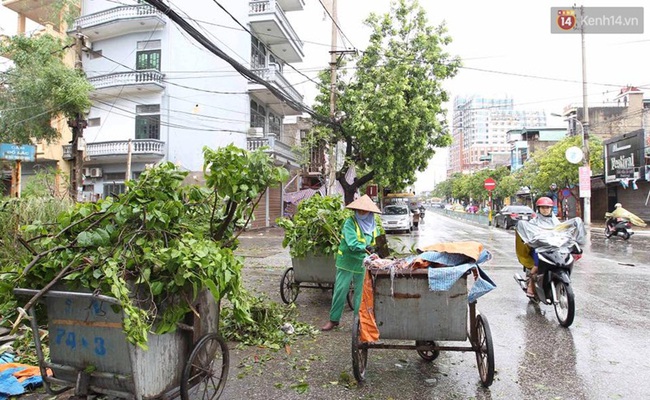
(573, 154)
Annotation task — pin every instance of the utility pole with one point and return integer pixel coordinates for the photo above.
(78, 125)
(332, 156)
(585, 120)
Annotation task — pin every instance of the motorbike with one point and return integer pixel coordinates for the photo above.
(618, 227)
(553, 281)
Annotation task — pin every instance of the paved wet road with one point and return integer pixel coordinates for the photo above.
(603, 355)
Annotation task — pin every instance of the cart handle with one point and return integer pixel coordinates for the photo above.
(66, 294)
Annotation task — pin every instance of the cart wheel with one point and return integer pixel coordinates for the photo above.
(206, 371)
(427, 355)
(350, 297)
(484, 351)
(359, 355)
(288, 287)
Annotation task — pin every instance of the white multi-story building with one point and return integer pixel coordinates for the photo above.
(479, 129)
(161, 96)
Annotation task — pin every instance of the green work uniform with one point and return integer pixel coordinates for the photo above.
(349, 266)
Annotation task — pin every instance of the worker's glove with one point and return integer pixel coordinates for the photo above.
(371, 249)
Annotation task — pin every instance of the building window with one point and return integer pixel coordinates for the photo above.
(148, 55)
(114, 189)
(148, 60)
(147, 121)
(275, 124)
(94, 122)
(114, 176)
(258, 54)
(258, 115)
(275, 61)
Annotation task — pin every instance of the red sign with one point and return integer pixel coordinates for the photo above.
(489, 184)
(371, 190)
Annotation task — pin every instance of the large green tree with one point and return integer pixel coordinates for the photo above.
(38, 89)
(551, 166)
(392, 107)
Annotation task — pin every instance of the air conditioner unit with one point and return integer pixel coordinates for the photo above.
(86, 172)
(256, 132)
(95, 172)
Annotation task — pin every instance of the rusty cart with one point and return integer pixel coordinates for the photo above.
(90, 352)
(311, 272)
(405, 309)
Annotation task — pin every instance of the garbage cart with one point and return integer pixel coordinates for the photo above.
(405, 309)
(90, 352)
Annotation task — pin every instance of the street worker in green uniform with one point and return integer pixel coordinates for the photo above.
(357, 240)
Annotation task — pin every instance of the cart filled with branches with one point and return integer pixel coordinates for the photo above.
(131, 286)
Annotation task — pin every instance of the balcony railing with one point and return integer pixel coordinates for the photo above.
(118, 13)
(274, 145)
(273, 74)
(131, 78)
(119, 147)
(260, 7)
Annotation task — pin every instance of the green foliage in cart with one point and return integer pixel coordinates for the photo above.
(157, 245)
(316, 226)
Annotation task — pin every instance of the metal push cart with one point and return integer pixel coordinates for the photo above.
(90, 352)
(311, 272)
(413, 312)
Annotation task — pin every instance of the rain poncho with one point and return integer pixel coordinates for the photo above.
(546, 233)
(625, 214)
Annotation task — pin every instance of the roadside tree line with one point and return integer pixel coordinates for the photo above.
(543, 168)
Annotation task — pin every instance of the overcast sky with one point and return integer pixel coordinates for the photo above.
(507, 50)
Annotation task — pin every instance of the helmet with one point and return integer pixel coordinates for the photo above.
(544, 202)
(617, 205)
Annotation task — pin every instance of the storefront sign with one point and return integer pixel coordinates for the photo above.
(623, 156)
(17, 152)
(584, 174)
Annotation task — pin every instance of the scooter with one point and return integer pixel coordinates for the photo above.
(553, 281)
(618, 227)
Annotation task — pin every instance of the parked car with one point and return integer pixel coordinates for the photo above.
(397, 217)
(510, 215)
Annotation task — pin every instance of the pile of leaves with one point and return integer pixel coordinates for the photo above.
(157, 246)
(271, 325)
(315, 228)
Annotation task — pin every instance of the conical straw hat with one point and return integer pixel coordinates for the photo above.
(364, 203)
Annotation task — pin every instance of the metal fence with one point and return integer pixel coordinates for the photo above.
(480, 219)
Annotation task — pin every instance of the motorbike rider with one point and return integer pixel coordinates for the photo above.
(621, 213)
(547, 220)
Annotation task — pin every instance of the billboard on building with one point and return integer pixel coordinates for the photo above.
(624, 157)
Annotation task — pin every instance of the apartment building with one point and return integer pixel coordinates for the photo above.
(479, 129)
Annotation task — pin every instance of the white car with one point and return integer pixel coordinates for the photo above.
(397, 217)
